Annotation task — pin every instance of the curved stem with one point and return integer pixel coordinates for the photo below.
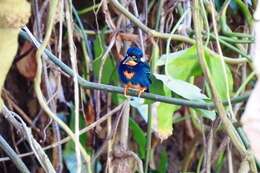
(109, 88)
(13, 156)
(149, 30)
(37, 81)
(228, 126)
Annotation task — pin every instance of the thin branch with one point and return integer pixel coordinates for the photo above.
(149, 139)
(109, 88)
(228, 126)
(13, 156)
(21, 127)
(37, 80)
(73, 60)
(68, 138)
(150, 31)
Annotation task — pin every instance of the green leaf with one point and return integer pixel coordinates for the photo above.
(157, 87)
(211, 115)
(69, 155)
(139, 137)
(163, 167)
(220, 162)
(163, 119)
(185, 64)
(217, 73)
(162, 116)
(182, 64)
(182, 88)
(109, 72)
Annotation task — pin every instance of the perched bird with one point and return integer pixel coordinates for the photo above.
(133, 72)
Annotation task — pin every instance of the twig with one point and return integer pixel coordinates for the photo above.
(88, 9)
(149, 139)
(244, 168)
(175, 28)
(228, 126)
(148, 30)
(220, 149)
(141, 40)
(13, 156)
(125, 126)
(86, 48)
(243, 85)
(68, 138)
(100, 74)
(139, 161)
(25, 132)
(109, 133)
(92, 85)
(209, 150)
(230, 159)
(159, 14)
(11, 102)
(73, 59)
(223, 65)
(37, 82)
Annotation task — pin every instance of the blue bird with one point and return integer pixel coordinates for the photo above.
(133, 72)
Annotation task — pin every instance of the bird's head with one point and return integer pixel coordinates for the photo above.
(133, 56)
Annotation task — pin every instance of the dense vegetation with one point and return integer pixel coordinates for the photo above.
(64, 86)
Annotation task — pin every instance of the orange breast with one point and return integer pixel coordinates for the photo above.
(129, 75)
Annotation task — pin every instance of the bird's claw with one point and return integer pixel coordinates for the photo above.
(141, 91)
(125, 91)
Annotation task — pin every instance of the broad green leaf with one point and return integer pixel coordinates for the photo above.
(157, 87)
(163, 119)
(183, 64)
(167, 57)
(217, 74)
(162, 116)
(182, 88)
(139, 137)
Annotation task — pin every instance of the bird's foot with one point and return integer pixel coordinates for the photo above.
(125, 91)
(141, 91)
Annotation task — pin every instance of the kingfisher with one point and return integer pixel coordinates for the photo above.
(133, 72)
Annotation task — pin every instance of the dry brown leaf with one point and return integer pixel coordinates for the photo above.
(27, 65)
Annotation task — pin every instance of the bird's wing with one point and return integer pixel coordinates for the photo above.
(147, 72)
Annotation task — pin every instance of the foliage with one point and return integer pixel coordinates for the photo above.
(161, 136)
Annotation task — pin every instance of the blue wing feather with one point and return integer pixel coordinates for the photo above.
(141, 71)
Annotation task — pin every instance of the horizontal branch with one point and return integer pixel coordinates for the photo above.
(109, 88)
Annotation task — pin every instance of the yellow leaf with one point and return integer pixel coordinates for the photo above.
(8, 48)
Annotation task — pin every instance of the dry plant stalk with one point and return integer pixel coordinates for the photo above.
(251, 118)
